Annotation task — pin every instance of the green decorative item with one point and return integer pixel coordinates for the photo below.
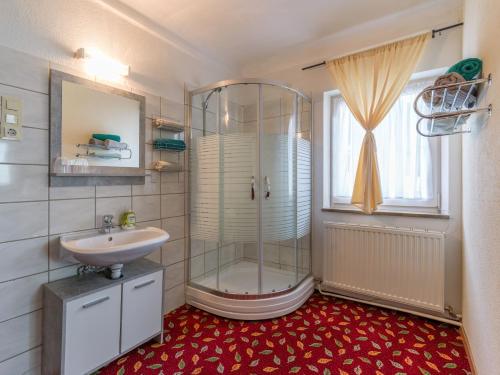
(103, 137)
(469, 68)
(127, 221)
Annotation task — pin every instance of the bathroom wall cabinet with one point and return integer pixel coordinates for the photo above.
(90, 320)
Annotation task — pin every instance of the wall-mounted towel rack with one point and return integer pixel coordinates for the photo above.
(449, 107)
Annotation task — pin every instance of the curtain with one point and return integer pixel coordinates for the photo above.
(404, 157)
(370, 82)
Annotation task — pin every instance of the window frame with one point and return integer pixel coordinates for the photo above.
(439, 158)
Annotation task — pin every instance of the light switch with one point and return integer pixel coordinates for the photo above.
(13, 104)
(10, 118)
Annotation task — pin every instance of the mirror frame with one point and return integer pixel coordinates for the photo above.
(96, 175)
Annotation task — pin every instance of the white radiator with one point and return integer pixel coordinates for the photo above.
(396, 264)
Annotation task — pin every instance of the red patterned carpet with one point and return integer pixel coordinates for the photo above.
(325, 336)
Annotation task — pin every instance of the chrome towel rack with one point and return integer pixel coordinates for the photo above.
(450, 106)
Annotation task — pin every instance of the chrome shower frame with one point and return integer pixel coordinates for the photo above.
(217, 87)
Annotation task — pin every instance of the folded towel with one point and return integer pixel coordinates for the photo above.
(450, 100)
(469, 68)
(171, 141)
(93, 141)
(169, 144)
(447, 125)
(103, 137)
(110, 144)
(166, 166)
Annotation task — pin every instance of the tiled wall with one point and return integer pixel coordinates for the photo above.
(33, 215)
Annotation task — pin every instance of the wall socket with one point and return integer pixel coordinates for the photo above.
(10, 119)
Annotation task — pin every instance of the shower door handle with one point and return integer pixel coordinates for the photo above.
(252, 188)
(267, 187)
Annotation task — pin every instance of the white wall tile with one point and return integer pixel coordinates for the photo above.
(174, 298)
(72, 192)
(153, 104)
(174, 275)
(172, 182)
(33, 148)
(155, 256)
(21, 296)
(172, 252)
(58, 257)
(20, 334)
(23, 220)
(150, 156)
(23, 258)
(172, 205)
(113, 191)
(62, 273)
(174, 226)
(115, 206)
(71, 215)
(147, 207)
(172, 109)
(27, 363)
(35, 106)
(152, 185)
(24, 71)
(152, 223)
(13, 186)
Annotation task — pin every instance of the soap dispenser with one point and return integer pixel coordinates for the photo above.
(127, 220)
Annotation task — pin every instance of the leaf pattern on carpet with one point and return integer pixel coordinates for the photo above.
(324, 336)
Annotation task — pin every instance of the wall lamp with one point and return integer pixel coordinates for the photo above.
(98, 64)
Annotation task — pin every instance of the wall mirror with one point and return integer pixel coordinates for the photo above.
(97, 133)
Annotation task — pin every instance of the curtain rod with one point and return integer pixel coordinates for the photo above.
(434, 32)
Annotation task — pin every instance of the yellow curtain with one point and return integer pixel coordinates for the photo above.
(370, 82)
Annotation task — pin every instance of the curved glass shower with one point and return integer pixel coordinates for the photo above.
(250, 188)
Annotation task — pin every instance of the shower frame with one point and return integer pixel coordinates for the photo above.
(216, 88)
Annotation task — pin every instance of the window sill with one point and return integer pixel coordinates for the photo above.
(389, 213)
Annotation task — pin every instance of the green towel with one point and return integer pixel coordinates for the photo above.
(468, 68)
(170, 141)
(103, 137)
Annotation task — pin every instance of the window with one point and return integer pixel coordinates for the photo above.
(409, 164)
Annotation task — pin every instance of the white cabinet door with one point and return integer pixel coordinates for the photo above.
(142, 309)
(92, 330)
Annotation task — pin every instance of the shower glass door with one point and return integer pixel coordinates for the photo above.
(239, 189)
(250, 188)
(278, 151)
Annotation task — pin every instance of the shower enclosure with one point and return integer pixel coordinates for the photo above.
(250, 199)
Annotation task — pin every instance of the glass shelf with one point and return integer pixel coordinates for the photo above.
(92, 154)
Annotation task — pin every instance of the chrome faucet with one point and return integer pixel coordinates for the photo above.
(107, 223)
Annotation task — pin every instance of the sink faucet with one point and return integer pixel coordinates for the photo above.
(107, 223)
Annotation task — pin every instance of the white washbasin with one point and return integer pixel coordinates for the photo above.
(115, 248)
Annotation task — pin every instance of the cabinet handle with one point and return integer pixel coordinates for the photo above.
(97, 301)
(146, 283)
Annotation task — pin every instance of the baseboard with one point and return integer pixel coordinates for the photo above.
(468, 351)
